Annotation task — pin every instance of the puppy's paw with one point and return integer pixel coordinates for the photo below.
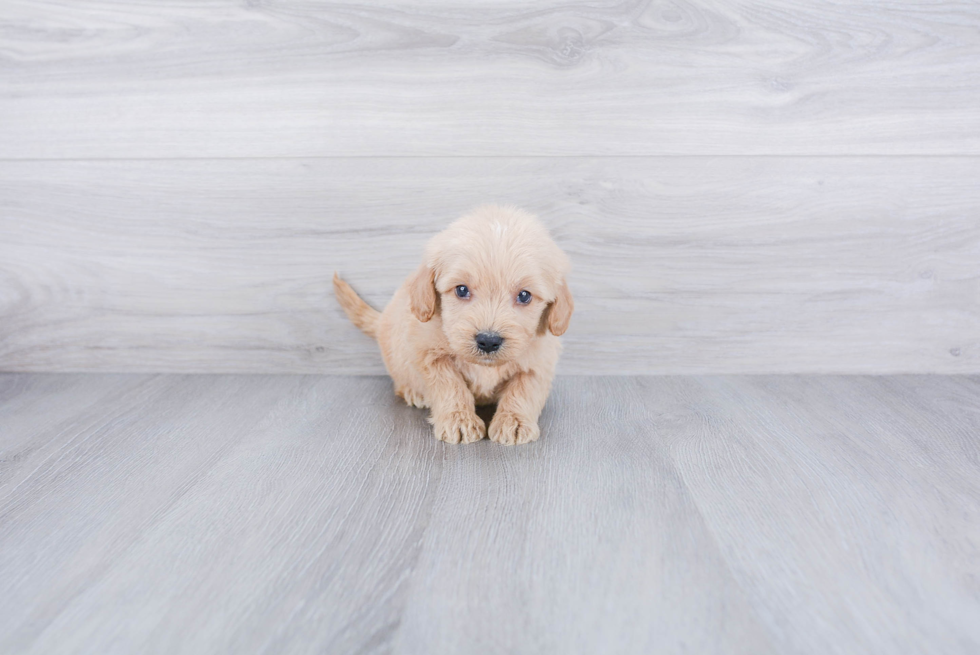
(511, 429)
(412, 397)
(459, 427)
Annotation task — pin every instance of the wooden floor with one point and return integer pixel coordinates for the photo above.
(240, 514)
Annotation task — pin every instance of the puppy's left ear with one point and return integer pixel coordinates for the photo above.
(560, 311)
(422, 294)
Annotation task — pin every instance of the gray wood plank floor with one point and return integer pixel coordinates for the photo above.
(237, 514)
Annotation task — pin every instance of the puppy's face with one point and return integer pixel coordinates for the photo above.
(498, 281)
(487, 317)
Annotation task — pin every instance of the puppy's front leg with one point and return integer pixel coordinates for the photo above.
(453, 410)
(516, 419)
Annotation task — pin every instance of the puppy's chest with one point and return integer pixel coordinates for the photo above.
(486, 382)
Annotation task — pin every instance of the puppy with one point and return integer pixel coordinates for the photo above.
(477, 324)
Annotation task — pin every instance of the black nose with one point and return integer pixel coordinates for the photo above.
(489, 342)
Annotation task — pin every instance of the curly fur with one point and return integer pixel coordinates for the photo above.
(427, 334)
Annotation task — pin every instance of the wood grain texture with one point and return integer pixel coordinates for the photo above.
(757, 264)
(104, 78)
(885, 469)
(241, 514)
(152, 475)
(591, 544)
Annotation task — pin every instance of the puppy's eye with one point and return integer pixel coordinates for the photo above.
(462, 291)
(524, 297)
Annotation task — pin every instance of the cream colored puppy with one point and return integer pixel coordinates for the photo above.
(477, 324)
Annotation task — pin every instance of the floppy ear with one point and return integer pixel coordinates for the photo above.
(422, 294)
(560, 311)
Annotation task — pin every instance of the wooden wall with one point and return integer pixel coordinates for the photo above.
(742, 187)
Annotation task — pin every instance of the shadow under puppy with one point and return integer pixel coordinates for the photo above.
(477, 324)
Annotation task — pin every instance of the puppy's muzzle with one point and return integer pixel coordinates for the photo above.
(489, 342)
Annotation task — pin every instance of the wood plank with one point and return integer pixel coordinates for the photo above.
(43, 413)
(584, 542)
(292, 507)
(87, 491)
(830, 494)
(104, 78)
(245, 514)
(681, 265)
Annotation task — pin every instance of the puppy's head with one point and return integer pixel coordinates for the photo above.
(498, 282)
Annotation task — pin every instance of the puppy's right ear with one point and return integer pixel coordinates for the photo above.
(422, 294)
(560, 311)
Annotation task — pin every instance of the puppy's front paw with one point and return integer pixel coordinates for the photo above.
(459, 427)
(511, 429)
(411, 397)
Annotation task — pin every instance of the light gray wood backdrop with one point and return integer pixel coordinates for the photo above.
(742, 187)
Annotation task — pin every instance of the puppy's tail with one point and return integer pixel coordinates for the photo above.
(359, 312)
